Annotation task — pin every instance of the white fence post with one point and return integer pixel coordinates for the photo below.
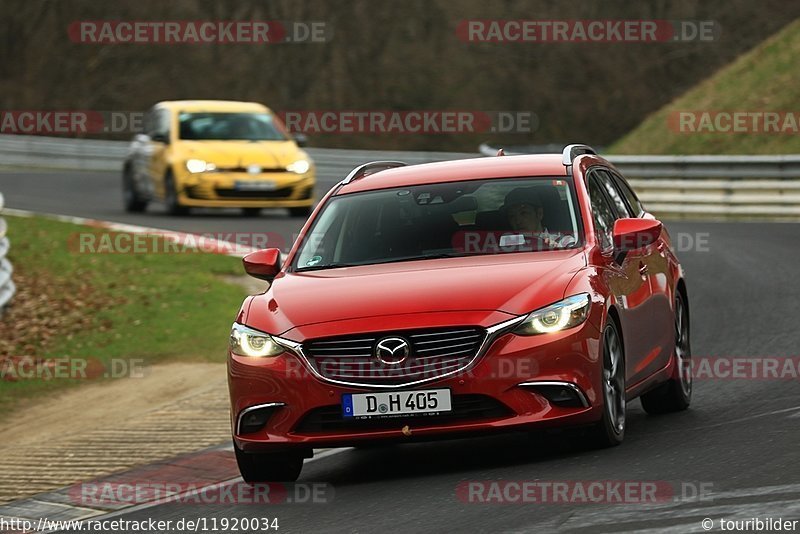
(7, 287)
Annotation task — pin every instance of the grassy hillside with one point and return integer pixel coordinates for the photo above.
(764, 79)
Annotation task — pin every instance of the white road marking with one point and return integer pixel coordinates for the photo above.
(682, 516)
(740, 420)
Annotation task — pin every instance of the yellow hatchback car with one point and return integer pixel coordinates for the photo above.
(215, 154)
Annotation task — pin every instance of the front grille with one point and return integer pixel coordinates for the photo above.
(433, 353)
(466, 408)
(283, 192)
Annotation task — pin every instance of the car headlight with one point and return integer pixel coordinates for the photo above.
(246, 341)
(300, 166)
(198, 165)
(564, 314)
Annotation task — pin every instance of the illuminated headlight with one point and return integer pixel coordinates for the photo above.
(198, 165)
(564, 314)
(248, 342)
(300, 166)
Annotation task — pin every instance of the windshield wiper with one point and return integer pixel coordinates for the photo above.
(421, 257)
(326, 266)
(378, 262)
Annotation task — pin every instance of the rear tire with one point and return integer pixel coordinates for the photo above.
(676, 394)
(174, 206)
(300, 212)
(131, 200)
(269, 467)
(610, 430)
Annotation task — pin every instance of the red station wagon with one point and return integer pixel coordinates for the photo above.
(455, 298)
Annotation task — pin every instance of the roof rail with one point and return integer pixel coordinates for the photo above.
(370, 168)
(573, 151)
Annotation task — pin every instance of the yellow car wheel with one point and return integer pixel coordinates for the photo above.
(174, 206)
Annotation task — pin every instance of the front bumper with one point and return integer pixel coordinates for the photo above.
(218, 190)
(309, 414)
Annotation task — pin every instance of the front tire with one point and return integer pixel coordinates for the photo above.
(269, 467)
(174, 206)
(676, 394)
(610, 430)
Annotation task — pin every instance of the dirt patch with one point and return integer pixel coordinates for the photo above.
(102, 428)
(44, 310)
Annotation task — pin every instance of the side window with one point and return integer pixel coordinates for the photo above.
(613, 193)
(602, 212)
(630, 196)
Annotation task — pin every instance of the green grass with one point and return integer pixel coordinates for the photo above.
(153, 307)
(763, 79)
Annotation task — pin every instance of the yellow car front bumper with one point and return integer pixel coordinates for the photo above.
(243, 190)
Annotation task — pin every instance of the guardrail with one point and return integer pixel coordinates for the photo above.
(58, 153)
(676, 186)
(7, 287)
(712, 186)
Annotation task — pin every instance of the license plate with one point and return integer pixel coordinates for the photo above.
(394, 403)
(261, 185)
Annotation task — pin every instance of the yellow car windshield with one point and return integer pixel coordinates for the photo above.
(229, 127)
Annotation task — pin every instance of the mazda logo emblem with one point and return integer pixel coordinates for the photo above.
(392, 350)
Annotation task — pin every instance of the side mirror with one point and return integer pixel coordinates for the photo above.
(301, 139)
(160, 138)
(263, 264)
(633, 234)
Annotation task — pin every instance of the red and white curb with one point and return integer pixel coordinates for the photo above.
(189, 240)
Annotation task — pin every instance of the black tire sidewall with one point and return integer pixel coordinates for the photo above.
(608, 435)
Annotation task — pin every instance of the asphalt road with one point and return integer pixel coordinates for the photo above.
(739, 439)
(98, 195)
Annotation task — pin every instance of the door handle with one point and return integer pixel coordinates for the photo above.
(642, 269)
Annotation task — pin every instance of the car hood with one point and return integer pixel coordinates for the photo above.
(267, 154)
(514, 284)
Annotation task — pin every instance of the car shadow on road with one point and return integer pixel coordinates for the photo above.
(476, 455)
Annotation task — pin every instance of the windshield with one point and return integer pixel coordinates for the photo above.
(229, 127)
(477, 217)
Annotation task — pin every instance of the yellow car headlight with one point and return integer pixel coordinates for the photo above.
(301, 166)
(195, 166)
